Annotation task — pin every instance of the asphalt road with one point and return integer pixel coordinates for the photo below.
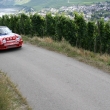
(51, 81)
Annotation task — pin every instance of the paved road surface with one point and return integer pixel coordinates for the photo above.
(51, 81)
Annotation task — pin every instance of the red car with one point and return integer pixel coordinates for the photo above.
(8, 39)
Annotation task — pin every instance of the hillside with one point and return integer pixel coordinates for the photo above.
(6, 2)
(13, 2)
(39, 4)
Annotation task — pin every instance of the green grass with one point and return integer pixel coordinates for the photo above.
(10, 97)
(94, 59)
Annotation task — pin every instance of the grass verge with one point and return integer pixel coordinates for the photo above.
(94, 59)
(10, 97)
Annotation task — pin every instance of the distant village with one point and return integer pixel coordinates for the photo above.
(91, 12)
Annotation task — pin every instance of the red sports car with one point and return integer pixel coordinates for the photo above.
(8, 39)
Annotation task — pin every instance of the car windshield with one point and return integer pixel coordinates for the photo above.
(5, 30)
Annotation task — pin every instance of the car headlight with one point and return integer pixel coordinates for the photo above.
(17, 39)
(3, 41)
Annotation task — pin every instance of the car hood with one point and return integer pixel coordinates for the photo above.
(8, 35)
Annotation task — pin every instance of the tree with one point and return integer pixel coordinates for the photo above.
(91, 38)
(101, 25)
(38, 24)
(81, 27)
(107, 38)
(59, 27)
(69, 30)
(50, 25)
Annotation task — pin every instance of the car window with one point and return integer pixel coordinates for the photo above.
(1, 31)
(5, 31)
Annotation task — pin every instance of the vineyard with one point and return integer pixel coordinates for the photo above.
(92, 36)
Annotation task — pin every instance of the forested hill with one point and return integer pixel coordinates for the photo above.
(39, 4)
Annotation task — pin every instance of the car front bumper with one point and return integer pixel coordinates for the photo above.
(11, 45)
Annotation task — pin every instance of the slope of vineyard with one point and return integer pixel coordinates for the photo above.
(20, 2)
(58, 3)
(39, 4)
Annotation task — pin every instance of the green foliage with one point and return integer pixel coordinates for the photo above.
(59, 27)
(81, 26)
(24, 24)
(100, 25)
(37, 23)
(106, 38)
(91, 36)
(49, 25)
